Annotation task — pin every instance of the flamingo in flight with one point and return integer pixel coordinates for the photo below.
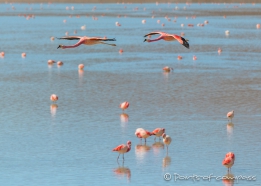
(167, 37)
(86, 41)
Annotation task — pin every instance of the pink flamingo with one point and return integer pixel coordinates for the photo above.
(121, 149)
(81, 66)
(167, 37)
(53, 97)
(194, 57)
(167, 69)
(230, 115)
(86, 41)
(158, 132)
(166, 140)
(124, 105)
(219, 50)
(23, 54)
(142, 133)
(59, 63)
(229, 161)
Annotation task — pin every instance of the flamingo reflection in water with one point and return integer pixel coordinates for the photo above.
(122, 171)
(53, 109)
(228, 180)
(141, 151)
(166, 161)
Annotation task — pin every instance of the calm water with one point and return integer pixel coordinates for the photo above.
(71, 143)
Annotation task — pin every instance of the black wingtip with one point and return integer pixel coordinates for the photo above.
(59, 46)
(185, 43)
(145, 40)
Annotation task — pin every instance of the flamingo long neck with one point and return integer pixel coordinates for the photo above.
(159, 38)
(129, 148)
(75, 45)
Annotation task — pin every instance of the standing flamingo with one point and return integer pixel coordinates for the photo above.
(85, 40)
(53, 97)
(121, 149)
(158, 132)
(124, 105)
(166, 140)
(142, 133)
(168, 37)
(230, 115)
(229, 161)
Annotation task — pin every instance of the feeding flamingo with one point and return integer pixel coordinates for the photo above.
(142, 133)
(230, 115)
(85, 40)
(124, 105)
(167, 37)
(121, 149)
(158, 132)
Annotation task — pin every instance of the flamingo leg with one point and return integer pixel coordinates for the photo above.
(118, 156)
(123, 157)
(155, 138)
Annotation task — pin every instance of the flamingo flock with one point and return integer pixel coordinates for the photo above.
(140, 133)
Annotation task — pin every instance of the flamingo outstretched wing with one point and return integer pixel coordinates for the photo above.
(154, 33)
(71, 37)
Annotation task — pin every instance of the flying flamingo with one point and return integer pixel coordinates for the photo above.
(142, 133)
(121, 149)
(158, 132)
(85, 40)
(230, 115)
(167, 37)
(166, 140)
(124, 105)
(229, 161)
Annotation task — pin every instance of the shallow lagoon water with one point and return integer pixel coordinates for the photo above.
(70, 143)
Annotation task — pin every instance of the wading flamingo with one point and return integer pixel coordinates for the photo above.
(124, 105)
(167, 37)
(85, 40)
(158, 132)
(53, 97)
(230, 115)
(167, 69)
(121, 149)
(229, 161)
(142, 133)
(166, 140)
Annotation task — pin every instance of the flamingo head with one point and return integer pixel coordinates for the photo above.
(163, 135)
(129, 143)
(147, 40)
(163, 130)
(231, 155)
(60, 46)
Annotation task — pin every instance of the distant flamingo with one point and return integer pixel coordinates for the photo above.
(258, 26)
(124, 105)
(158, 132)
(142, 133)
(167, 37)
(219, 50)
(167, 69)
(194, 57)
(86, 41)
(230, 115)
(53, 97)
(50, 62)
(166, 140)
(23, 55)
(2, 54)
(121, 149)
(81, 66)
(179, 57)
(59, 63)
(229, 161)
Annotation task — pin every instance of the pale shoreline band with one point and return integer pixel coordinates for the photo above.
(132, 1)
